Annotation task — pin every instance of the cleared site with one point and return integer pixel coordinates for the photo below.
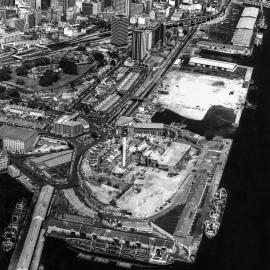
(191, 95)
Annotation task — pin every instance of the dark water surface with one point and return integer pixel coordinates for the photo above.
(243, 239)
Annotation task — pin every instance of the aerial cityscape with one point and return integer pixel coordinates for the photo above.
(122, 123)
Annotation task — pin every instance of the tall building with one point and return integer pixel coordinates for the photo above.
(119, 30)
(30, 21)
(107, 3)
(139, 45)
(122, 7)
(148, 5)
(19, 24)
(35, 4)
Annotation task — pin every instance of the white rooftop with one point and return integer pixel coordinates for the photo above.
(246, 23)
(149, 125)
(242, 37)
(214, 63)
(250, 12)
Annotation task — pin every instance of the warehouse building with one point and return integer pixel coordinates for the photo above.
(243, 34)
(214, 64)
(17, 140)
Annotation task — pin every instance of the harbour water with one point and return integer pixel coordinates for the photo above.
(242, 242)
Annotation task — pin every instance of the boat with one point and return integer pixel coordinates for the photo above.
(10, 233)
(217, 207)
(258, 39)
(115, 249)
(262, 24)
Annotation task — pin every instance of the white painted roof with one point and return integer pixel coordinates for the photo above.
(242, 37)
(250, 12)
(246, 23)
(214, 63)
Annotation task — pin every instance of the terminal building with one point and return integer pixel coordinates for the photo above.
(17, 140)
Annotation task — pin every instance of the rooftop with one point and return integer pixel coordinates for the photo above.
(149, 125)
(16, 133)
(210, 62)
(250, 12)
(246, 23)
(242, 37)
(123, 120)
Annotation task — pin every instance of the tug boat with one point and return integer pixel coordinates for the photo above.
(10, 233)
(217, 207)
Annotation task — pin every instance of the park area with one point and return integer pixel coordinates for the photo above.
(191, 95)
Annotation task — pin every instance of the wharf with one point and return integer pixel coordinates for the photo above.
(189, 230)
(22, 236)
(26, 182)
(244, 97)
(38, 250)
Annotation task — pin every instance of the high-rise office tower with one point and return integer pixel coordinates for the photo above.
(35, 4)
(122, 7)
(119, 30)
(139, 44)
(107, 3)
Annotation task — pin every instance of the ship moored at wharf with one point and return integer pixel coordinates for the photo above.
(212, 224)
(11, 232)
(112, 244)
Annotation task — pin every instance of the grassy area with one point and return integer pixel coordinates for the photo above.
(64, 79)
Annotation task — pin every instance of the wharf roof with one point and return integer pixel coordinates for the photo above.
(149, 125)
(90, 229)
(219, 45)
(52, 160)
(214, 63)
(246, 23)
(250, 12)
(242, 37)
(16, 133)
(189, 212)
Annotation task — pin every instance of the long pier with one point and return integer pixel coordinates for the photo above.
(257, 3)
(33, 244)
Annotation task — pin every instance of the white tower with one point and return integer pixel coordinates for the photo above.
(124, 151)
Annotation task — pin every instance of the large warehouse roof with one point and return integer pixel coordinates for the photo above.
(250, 12)
(246, 23)
(16, 133)
(210, 62)
(242, 37)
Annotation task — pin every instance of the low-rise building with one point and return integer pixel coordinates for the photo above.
(16, 139)
(66, 126)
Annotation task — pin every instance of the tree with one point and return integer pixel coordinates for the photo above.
(4, 75)
(22, 71)
(3, 90)
(68, 66)
(32, 103)
(14, 93)
(81, 48)
(113, 63)
(20, 82)
(99, 57)
(48, 78)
